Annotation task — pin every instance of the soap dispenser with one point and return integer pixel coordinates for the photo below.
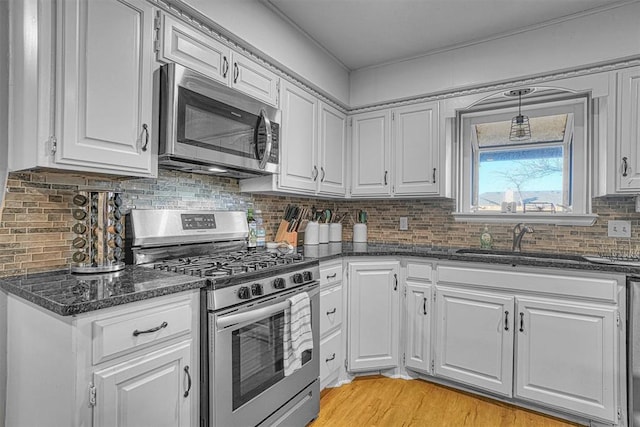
(486, 241)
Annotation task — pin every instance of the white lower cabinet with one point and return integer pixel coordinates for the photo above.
(146, 391)
(550, 339)
(127, 366)
(566, 356)
(331, 308)
(475, 338)
(418, 293)
(373, 315)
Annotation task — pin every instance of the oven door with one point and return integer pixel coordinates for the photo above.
(247, 382)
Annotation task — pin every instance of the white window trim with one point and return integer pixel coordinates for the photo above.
(581, 214)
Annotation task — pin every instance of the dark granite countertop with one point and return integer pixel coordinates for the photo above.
(330, 251)
(68, 294)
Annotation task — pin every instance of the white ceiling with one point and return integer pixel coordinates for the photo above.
(362, 33)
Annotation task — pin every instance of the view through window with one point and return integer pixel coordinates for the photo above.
(546, 174)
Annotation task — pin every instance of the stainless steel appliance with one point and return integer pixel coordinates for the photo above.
(242, 313)
(206, 127)
(633, 351)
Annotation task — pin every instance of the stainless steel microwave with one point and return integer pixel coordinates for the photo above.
(206, 127)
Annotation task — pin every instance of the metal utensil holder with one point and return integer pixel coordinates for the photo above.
(99, 244)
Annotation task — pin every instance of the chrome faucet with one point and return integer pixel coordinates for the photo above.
(518, 233)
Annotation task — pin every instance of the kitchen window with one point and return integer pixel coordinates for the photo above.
(542, 179)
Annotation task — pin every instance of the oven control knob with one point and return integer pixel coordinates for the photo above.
(244, 293)
(279, 283)
(256, 289)
(307, 276)
(297, 278)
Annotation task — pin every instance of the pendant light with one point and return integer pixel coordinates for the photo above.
(520, 128)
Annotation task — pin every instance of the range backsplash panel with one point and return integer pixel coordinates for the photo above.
(36, 218)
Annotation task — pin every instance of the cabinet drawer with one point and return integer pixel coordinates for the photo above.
(330, 274)
(330, 308)
(418, 271)
(122, 334)
(330, 356)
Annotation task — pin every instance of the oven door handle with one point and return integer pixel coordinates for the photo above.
(251, 315)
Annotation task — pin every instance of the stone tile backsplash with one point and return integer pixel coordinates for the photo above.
(36, 220)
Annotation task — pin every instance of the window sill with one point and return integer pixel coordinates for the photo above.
(581, 220)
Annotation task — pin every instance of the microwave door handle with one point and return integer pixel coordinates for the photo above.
(252, 315)
(267, 150)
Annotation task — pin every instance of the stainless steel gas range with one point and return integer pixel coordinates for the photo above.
(243, 382)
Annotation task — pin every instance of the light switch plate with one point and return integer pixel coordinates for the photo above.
(404, 223)
(619, 228)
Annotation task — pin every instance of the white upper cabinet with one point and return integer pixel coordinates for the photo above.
(331, 150)
(415, 138)
(298, 139)
(187, 46)
(396, 152)
(628, 131)
(97, 114)
(312, 148)
(249, 77)
(371, 152)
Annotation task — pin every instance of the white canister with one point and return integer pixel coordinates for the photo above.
(360, 233)
(335, 232)
(323, 233)
(311, 233)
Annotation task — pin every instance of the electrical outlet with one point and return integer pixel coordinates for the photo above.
(404, 223)
(619, 228)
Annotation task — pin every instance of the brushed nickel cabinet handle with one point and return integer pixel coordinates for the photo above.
(149, 331)
(521, 322)
(186, 371)
(145, 130)
(225, 66)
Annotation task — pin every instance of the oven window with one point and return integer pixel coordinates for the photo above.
(257, 354)
(207, 123)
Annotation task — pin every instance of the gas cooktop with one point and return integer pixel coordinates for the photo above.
(228, 264)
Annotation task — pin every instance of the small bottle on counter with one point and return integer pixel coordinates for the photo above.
(261, 234)
(252, 241)
(486, 241)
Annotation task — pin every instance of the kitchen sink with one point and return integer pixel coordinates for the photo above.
(523, 255)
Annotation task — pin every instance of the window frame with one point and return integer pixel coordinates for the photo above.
(578, 105)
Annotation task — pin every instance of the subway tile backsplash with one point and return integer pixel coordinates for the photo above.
(36, 220)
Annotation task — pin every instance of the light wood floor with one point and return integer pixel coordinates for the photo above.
(384, 402)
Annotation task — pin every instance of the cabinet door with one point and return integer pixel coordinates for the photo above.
(370, 155)
(373, 315)
(418, 344)
(298, 169)
(148, 391)
(332, 137)
(253, 79)
(185, 45)
(415, 139)
(475, 338)
(566, 356)
(105, 86)
(628, 126)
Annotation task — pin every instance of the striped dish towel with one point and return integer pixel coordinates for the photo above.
(297, 332)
